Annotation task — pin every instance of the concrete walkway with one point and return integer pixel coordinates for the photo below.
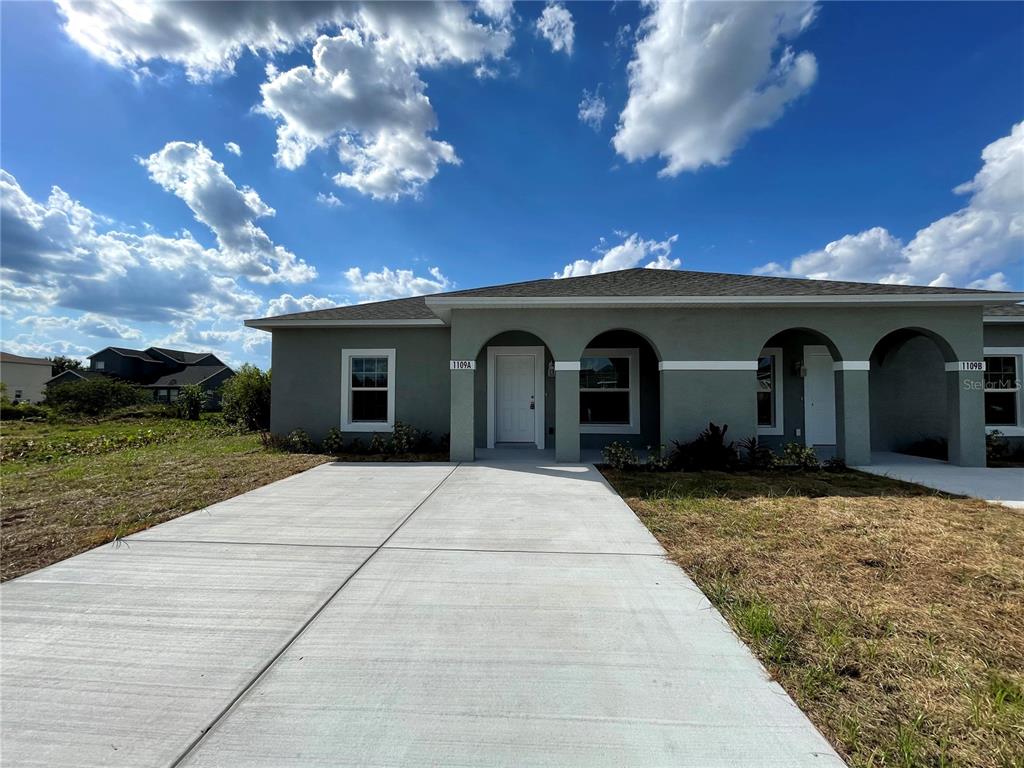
(486, 614)
(999, 486)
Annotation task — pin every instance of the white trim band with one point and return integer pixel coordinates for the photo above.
(707, 365)
(852, 365)
(567, 365)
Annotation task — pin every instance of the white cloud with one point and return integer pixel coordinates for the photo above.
(233, 148)
(556, 26)
(30, 346)
(329, 199)
(628, 254)
(189, 171)
(592, 109)
(706, 75)
(967, 247)
(90, 324)
(395, 283)
(286, 304)
(368, 103)
(499, 10)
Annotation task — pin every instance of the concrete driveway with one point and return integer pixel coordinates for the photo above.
(996, 485)
(388, 614)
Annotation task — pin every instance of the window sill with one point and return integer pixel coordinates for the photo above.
(368, 426)
(609, 429)
(770, 431)
(1007, 431)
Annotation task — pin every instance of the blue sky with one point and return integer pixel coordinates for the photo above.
(825, 141)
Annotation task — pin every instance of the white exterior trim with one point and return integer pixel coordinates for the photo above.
(480, 302)
(633, 428)
(539, 376)
(707, 365)
(1010, 430)
(275, 322)
(567, 365)
(851, 365)
(1003, 319)
(347, 425)
(779, 428)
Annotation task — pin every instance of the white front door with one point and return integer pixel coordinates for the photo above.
(819, 397)
(515, 401)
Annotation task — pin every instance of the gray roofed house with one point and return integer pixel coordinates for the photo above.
(647, 356)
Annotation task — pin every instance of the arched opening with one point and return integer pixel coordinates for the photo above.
(620, 391)
(514, 392)
(908, 394)
(796, 391)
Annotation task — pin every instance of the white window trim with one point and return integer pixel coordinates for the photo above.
(779, 428)
(347, 425)
(538, 371)
(1017, 353)
(633, 428)
(98, 365)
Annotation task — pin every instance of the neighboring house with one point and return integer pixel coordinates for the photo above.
(25, 377)
(648, 356)
(161, 371)
(209, 377)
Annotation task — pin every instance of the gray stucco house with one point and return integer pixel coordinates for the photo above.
(649, 356)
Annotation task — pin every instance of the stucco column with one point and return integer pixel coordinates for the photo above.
(691, 398)
(965, 397)
(853, 415)
(567, 411)
(462, 434)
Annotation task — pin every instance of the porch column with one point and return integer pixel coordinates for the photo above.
(462, 436)
(567, 411)
(965, 398)
(853, 414)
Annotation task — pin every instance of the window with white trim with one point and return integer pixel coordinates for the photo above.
(610, 391)
(1002, 390)
(98, 365)
(769, 391)
(368, 390)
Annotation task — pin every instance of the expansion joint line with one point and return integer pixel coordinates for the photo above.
(300, 631)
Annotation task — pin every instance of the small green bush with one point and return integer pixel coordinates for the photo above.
(709, 451)
(657, 459)
(192, 400)
(756, 456)
(333, 444)
(800, 456)
(21, 411)
(619, 456)
(378, 444)
(245, 398)
(94, 397)
(299, 442)
(404, 438)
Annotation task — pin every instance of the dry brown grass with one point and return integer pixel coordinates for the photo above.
(893, 616)
(52, 510)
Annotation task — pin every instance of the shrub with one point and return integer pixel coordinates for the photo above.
(619, 456)
(834, 464)
(657, 460)
(403, 438)
(192, 400)
(334, 443)
(21, 411)
(93, 397)
(378, 444)
(800, 456)
(245, 398)
(996, 446)
(299, 442)
(755, 455)
(709, 451)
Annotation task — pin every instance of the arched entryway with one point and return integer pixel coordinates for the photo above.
(909, 394)
(620, 391)
(796, 391)
(514, 392)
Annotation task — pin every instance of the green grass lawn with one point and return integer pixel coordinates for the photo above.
(893, 615)
(69, 487)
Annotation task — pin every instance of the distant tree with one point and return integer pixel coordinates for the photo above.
(192, 399)
(62, 363)
(93, 397)
(245, 398)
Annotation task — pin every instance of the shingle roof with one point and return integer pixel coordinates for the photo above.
(1006, 310)
(83, 373)
(628, 283)
(128, 352)
(192, 375)
(187, 358)
(7, 357)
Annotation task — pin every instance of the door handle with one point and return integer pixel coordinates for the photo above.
(532, 404)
